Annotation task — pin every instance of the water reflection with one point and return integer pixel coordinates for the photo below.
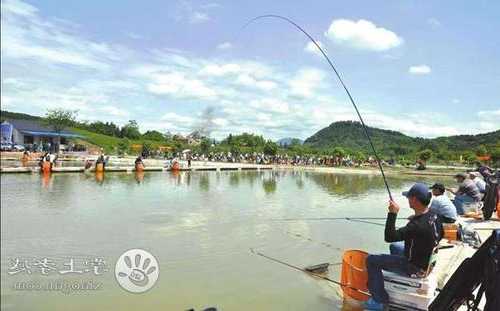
(234, 179)
(269, 184)
(350, 185)
(139, 176)
(204, 182)
(99, 177)
(200, 225)
(46, 179)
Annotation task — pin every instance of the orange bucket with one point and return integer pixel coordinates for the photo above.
(354, 275)
(46, 167)
(176, 166)
(450, 232)
(139, 167)
(99, 167)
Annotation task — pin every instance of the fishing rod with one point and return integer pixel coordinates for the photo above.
(341, 82)
(327, 218)
(305, 271)
(354, 219)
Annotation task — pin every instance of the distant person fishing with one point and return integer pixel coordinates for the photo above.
(139, 164)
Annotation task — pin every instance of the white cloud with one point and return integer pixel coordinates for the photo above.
(193, 14)
(419, 70)
(225, 46)
(248, 80)
(174, 117)
(488, 120)
(163, 89)
(489, 114)
(198, 18)
(26, 36)
(362, 34)
(312, 48)
(270, 105)
(178, 85)
(18, 8)
(115, 111)
(220, 122)
(305, 82)
(7, 102)
(220, 70)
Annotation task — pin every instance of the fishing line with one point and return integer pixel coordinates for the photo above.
(325, 244)
(305, 271)
(341, 82)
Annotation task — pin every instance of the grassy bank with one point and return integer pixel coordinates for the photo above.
(112, 144)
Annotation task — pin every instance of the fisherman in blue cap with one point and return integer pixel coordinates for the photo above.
(421, 235)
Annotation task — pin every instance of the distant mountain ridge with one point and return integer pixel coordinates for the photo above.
(350, 135)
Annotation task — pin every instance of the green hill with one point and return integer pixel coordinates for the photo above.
(350, 135)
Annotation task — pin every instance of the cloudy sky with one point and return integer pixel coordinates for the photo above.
(425, 68)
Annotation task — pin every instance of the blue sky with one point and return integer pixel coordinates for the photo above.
(425, 68)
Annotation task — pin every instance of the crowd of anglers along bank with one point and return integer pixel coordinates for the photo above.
(47, 161)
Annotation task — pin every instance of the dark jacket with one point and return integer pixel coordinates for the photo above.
(421, 235)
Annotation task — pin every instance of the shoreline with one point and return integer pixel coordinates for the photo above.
(126, 165)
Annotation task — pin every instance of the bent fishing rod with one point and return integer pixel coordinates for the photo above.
(305, 271)
(288, 20)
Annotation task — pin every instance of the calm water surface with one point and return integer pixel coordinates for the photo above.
(199, 225)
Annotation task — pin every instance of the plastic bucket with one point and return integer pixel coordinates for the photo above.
(176, 166)
(354, 275)
(99, 167)
(46, 167)
(139, 167)
(450, 232)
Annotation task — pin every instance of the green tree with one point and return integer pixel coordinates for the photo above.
(235, 149)
(123, 146)
(147, 147)
(424, 155)
(131, 130)
(205, 145)
(495, 156)
(469, 157)
(59, 119)
(481, 150)
(338, 152)
(154, 135)
(359, 156)
(270, 148)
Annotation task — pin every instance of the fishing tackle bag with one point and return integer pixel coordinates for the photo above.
(490, 197)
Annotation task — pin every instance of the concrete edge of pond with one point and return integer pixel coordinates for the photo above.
(331, 170)
(19, 170)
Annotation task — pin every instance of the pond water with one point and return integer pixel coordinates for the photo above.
(200, 226)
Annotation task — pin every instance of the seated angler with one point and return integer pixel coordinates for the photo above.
(138, 160)
(467, 193)
(139, 164)
(421, 235)
(480, 183)
(441, 205)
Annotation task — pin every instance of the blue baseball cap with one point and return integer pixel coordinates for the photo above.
(418, 190)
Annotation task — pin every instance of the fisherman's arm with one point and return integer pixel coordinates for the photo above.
(391, 234)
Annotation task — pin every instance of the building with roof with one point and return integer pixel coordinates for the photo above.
(32, 132)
